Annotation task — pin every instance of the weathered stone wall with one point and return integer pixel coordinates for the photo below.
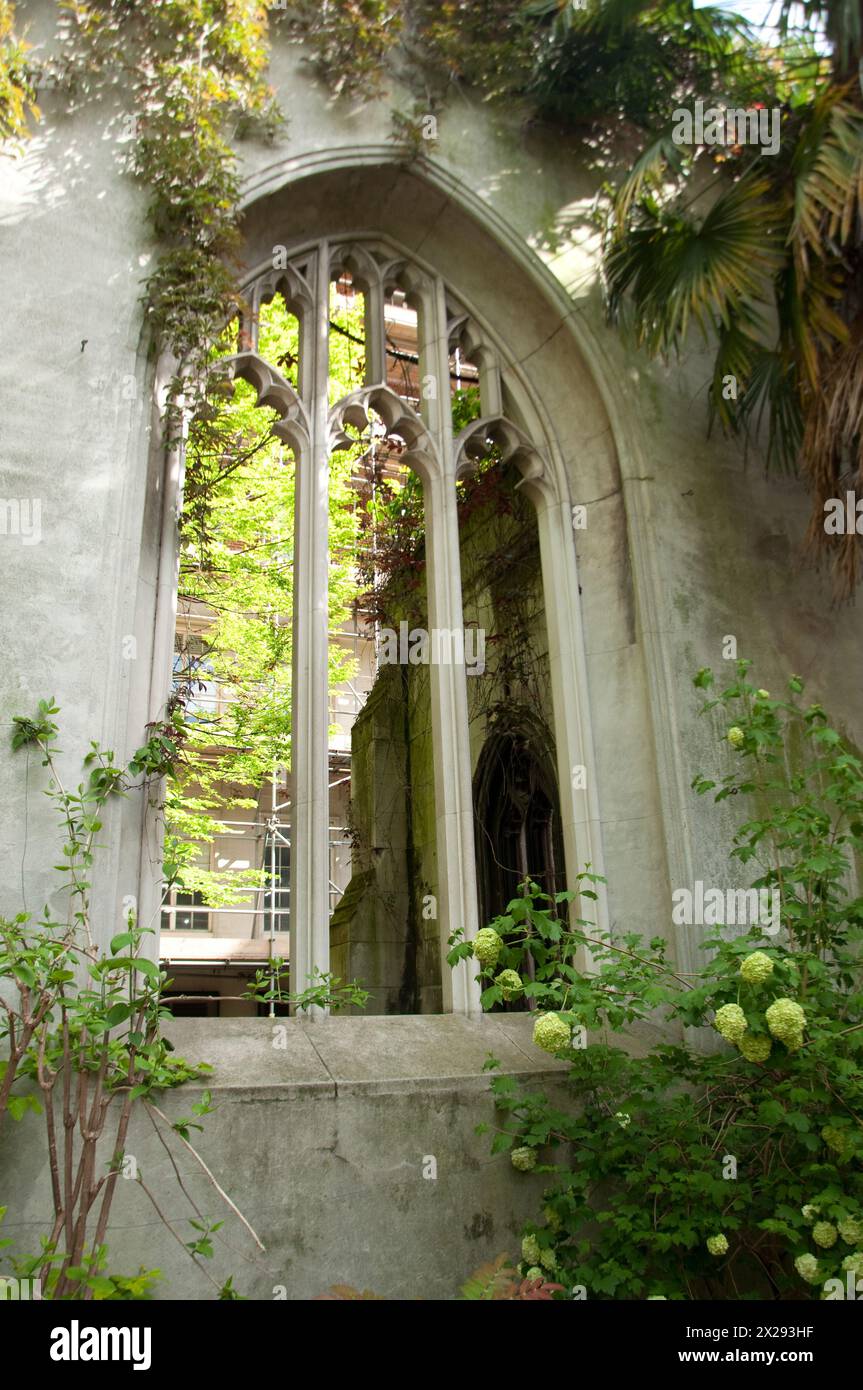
(375, 935)
(322, 1144)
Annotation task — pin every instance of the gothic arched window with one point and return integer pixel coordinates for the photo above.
(410, 397)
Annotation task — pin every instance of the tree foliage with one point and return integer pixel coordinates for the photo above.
(236, 575)
(17, 93)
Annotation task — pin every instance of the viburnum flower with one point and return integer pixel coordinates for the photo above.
(510, 983)
(717, 1245)
(736, 736)
(535, 1273)
(623, 1119)
(730, 1021)
(854, 1263)
(762, 694)
(851, 1230)
(548, 1260)
(487, 946)
(756, 968)
(551, 1033)
(810, 1213)
(523, 1159)
(786, 1021)
(530, 1251)
(807, 1268)
(824, 1233)
(755, 1047)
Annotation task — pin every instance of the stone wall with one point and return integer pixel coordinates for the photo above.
(323, 1145)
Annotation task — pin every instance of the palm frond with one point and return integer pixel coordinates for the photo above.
(773, 391)
(809, 325)
(658, 161)
(842, 22)
(831, 455)
(737, 355)
(827, 168)
(678, 271)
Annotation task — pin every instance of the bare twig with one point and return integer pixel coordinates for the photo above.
(222, 1193)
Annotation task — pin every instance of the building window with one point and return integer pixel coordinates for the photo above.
(277, 894)
(184, 911)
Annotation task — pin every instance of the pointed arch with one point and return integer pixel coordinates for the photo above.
(515, 448)
(399, 419)
(276, 393)
(514, 420)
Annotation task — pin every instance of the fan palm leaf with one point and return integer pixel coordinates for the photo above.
(679, 270)
(831, 454)
(660, 160)
(827, 169)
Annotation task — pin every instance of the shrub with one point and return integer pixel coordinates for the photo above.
(726, 1171)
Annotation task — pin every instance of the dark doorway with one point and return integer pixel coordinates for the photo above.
(517, 816)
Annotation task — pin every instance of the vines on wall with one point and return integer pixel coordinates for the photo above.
(195, 70)
(605, 72)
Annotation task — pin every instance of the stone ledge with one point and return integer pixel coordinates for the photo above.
(376, 1055)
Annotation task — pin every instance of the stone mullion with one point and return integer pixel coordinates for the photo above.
(490, 392)
(310, 866)
(375, 332)
(581, 825)
(456, 866)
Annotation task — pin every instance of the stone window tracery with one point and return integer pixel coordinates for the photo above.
(408, 393)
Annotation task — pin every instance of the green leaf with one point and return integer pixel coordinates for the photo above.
(125, 938)
(118, 1013)
(19, 1105)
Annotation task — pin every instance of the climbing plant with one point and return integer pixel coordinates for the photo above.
(762, 254)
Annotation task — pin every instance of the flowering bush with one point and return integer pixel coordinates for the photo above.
(487, 946)
(741, 1172)
(552, 1033)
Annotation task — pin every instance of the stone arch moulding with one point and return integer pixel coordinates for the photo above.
(438, 459)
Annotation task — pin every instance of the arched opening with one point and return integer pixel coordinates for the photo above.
(444, 389)
(517, 814)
